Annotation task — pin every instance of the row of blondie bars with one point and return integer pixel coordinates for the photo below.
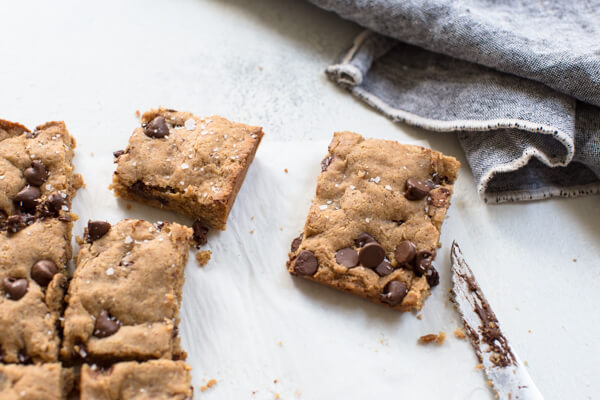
(110, 331)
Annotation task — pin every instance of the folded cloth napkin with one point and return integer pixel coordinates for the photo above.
(519, 81)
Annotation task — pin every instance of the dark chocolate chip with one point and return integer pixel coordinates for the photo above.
(36, 174)
(371, 255)
(422, 262)
(3, 215)
(296, 243)
(405, 252)
(432, 276)
(117, 154)
(14, 223)
(416, 189)
(157, 128)
(363, 239)
(393, 293)
(27, 198)
(348, 257)
(105, 325)
(325, 163)
(438, 179)
(43, 271)
(32, 135)
(306, 263)
(53, 204)
(160, 225)
(97, 229)
(384, 269)
(15, 288)
(200, 233)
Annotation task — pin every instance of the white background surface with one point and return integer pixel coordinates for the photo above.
(246, 322)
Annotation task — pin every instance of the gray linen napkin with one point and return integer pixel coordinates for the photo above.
(518, 80)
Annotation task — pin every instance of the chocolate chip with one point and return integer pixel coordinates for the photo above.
(384, 268)
(348, 257)
(325, 163)
(363, 239)
(405, 252)
(117, 154)
(432, 276)
(416, 189)
(422, 262)
(14, 223)
(430, 184)
(393, 293)
(306, 263)
(105, 325)
(437, 179)
(43, 271)
(200, 233)
(97, 229)
(15, 288)
(371, 255)
(27, 198)
(296, 243)
(157, 128)
(32, 135)
(36, 174)
(53, 204)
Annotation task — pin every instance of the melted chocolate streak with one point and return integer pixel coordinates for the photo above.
(489, 331)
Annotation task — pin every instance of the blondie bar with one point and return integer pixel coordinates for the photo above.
(124, 298)
(33, 275)
(374, 226)
(35, 382)
(185, 163)
(156, 379)
(36, 174)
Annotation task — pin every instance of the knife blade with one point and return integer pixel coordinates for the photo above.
(502, 365)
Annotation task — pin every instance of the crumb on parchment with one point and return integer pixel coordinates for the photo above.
(459, 333)
(432, 337)
(208, 385)
(203, 257)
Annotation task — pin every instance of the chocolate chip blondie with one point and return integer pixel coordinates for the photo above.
(33, 276)
(157, 379)
(374, 227)
(36, 174)
(188, 164)
(124, 298)
(35, 382)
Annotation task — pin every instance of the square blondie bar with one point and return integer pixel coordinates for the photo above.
(374, 226)
(33, 277)
(156, 379)
(188, 164)
(35, 382)
(124, 298)
(37, 178)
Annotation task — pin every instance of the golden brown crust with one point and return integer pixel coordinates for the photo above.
(197, 170)
(362, 190)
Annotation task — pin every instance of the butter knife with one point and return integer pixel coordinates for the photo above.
(502, 365)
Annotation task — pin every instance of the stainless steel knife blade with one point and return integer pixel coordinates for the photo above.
(502, 365)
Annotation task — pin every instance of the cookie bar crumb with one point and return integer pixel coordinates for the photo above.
(203, 257)
(459, 333)
(438, 338)
(208, 385)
